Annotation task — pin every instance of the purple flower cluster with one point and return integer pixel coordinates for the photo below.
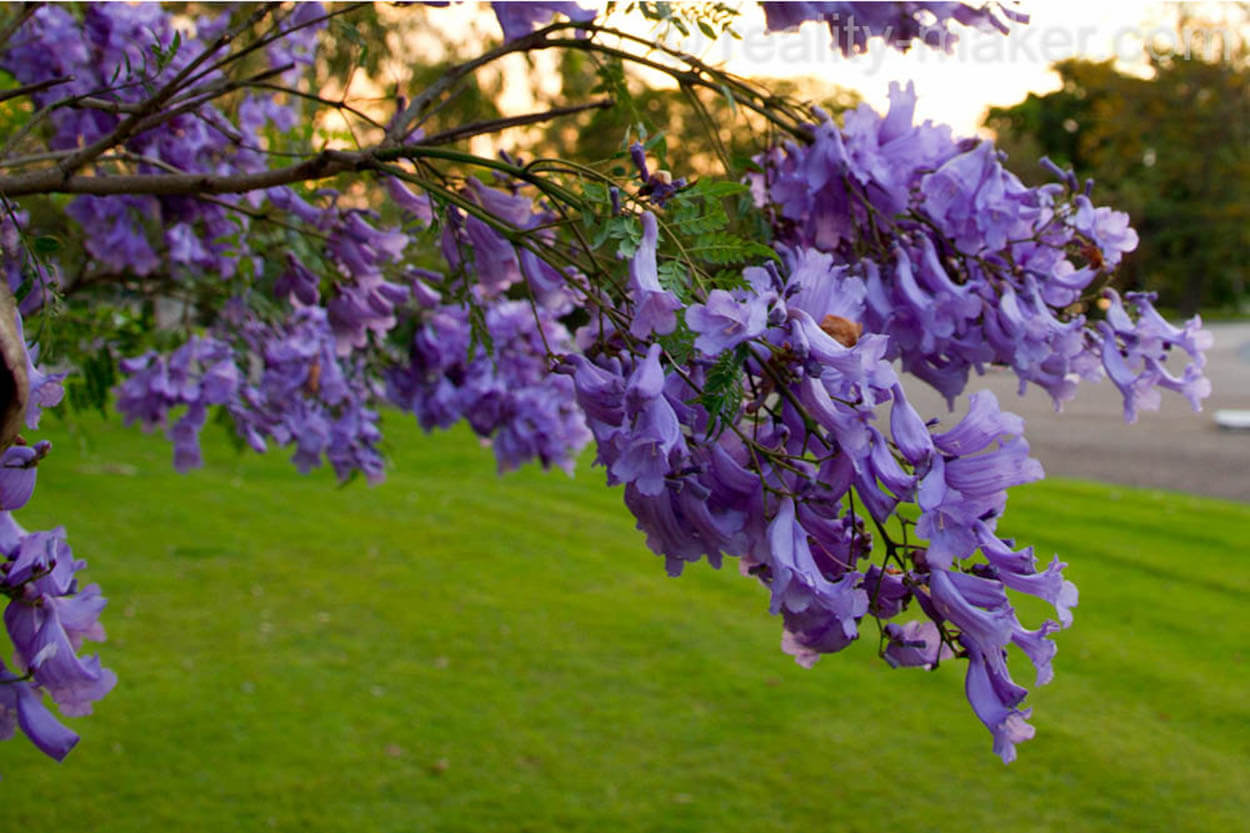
(758, 416)
(47, 615)
(966, 265)
(198, 374)
(357, 255)
(304, 394)
(898, 24)
(1134, 352)
(309, 396)
(507, 395)
(110, 54)
(366, 303)
(471, 244)
(790, 482)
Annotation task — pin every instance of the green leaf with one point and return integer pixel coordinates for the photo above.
(675, 277)
(695, 216)
(719, 188)
(596, 192)
(719, 248)
(45, 245)
(678, 344)
(722, 392)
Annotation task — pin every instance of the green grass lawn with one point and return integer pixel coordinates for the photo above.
(453, 651)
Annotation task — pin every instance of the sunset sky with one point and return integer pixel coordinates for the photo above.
(985, 70)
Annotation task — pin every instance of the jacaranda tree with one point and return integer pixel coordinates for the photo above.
(188, 234)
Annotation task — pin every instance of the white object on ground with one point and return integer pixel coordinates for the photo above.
(1233, 420)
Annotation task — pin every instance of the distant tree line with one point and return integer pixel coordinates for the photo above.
(1172, 150)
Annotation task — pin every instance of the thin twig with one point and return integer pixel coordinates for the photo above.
(278, 35)
(135, 121)
(401, 126)
(455, 134)
(30, 89)
(46, 156)
(338, 105)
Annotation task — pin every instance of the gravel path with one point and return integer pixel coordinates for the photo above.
(1172, 448)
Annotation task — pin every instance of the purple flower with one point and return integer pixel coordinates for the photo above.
(519, 19)
(653, 435)
(723, 322)
(1109, 230)
(888, 593)
(297, 282)
(992, 472)
(1008, 724)
(910, 434)
(416, 206)
(21, 705)
(915, 644)
(983, 424)
(1039, 649)
(1049, 585)
(795, 580)
(655, 308)
(44, 647)
(17, 473)
(113, 228)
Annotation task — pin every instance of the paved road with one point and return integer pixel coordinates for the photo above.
(1172, 448)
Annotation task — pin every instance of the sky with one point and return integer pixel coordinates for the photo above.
(984, 70)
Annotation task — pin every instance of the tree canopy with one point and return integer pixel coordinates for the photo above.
(263, 217)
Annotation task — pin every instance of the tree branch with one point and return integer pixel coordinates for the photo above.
(323, 165)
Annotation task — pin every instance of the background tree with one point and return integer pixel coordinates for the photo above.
(1172, 150)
